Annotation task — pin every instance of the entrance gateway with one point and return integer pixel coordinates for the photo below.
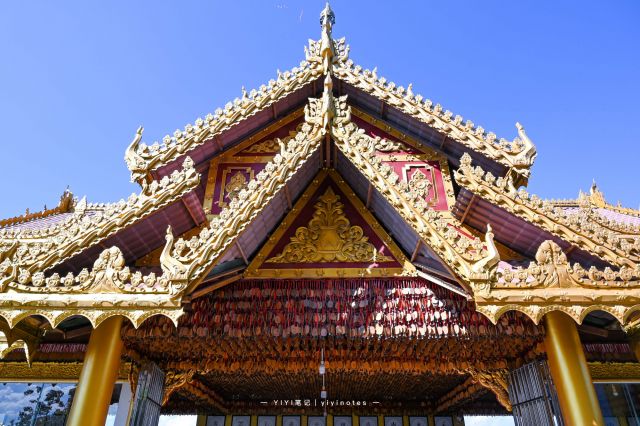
(330, 249)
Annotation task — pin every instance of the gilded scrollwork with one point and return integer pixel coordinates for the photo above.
(496, 381)
(143, 158)
(329, 237)
(193, 258)
(518, 155)
(25, 254)
(573, 227)
(551, 283)
(437, 229)
(175, 380)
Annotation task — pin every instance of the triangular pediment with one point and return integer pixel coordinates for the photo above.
(329, 233)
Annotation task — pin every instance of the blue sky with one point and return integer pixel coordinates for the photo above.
(79, 77)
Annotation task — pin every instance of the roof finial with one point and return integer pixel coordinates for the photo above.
(327, 50)
(596, 197)
(328, 103)
(327, 18)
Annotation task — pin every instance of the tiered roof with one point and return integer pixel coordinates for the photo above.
(481, 236)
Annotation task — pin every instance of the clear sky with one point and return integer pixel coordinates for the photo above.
(77, 78)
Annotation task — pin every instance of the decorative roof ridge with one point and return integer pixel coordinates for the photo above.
(25, 251)
(595, 198)
(321, 57)
(141, 158)
(108, 289)
(437, 229)
(551, 283)
(574, 228)
(81, 207)
(623, 210)
(111, 287)
(189, 261)
(611, 223)
(518, 155)
(65, 205)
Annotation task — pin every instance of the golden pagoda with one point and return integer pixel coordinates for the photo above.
(330, 249)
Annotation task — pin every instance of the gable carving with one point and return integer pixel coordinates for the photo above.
(329, 233)
(329, 237)
(421, 170)
(231, 172)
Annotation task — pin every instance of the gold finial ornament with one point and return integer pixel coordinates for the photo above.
(135, 162)
(327, 50)
(328, 103)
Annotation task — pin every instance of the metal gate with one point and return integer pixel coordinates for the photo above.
(533, 396)
(148, 399)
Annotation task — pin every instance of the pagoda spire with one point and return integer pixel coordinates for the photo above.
(327, 49)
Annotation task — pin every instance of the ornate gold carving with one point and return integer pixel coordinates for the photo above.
(425, 154)
(25, 254)
(249, 146)
(270, 146)
(437, 229)
(48, 371)
(198, 254)
(485, 267)
(420, 184)
(517, 155)
(551, 283)
(327, 51)
(613, 371)
(329, 237)
(151, 157)
(106, 289)
(322, 111)
(229, 190)
(592, 206)
(174, 380)
(135, 162)
(572, 227)
(496, 382)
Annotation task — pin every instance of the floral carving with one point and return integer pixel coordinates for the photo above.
(437, 229)
(420, 184)
(552, 283)
(518, 155)
(25, 254)
(576, 228)
(184, 262)
(329, 237)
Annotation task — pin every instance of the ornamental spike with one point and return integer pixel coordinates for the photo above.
(327, 50)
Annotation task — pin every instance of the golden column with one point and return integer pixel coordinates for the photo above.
(98, 376)
(570, 373)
